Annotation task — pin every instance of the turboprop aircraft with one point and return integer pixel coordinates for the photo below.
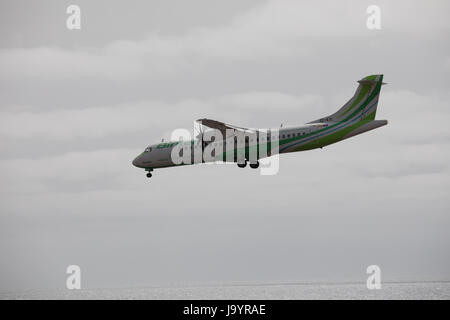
(228, 143)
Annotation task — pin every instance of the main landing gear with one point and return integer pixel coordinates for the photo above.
(254, 165)
(242, 165)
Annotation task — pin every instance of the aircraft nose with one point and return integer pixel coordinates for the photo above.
(136, 161)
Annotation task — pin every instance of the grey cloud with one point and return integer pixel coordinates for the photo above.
(143, 122)
(272, 31)
(75, 108)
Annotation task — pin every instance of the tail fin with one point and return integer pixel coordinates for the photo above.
(363, 104)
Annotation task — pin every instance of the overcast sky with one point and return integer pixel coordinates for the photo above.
(76, 106)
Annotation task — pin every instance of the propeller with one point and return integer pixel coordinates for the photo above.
(198, 126)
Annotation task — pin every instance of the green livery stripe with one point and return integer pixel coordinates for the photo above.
(336, 136)
(362, 93)
(372, 96)
(326, 140)
(372, 77)
(361, 107)
(375, 92)
(332, 138)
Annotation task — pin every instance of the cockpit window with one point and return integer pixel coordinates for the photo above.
(148, 149)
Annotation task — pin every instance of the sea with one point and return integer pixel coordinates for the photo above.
(291, 291)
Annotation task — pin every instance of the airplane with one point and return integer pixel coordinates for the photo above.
(353, 118)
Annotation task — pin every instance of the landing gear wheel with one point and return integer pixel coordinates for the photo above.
(254, 165)
(242, 165)
(149, 175)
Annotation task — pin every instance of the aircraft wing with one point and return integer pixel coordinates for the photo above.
(221, 126)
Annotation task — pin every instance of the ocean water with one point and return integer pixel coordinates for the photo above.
(401, 290)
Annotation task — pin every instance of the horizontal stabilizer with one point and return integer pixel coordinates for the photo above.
(366, 127)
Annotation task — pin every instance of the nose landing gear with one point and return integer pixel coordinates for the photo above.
(149, 174)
